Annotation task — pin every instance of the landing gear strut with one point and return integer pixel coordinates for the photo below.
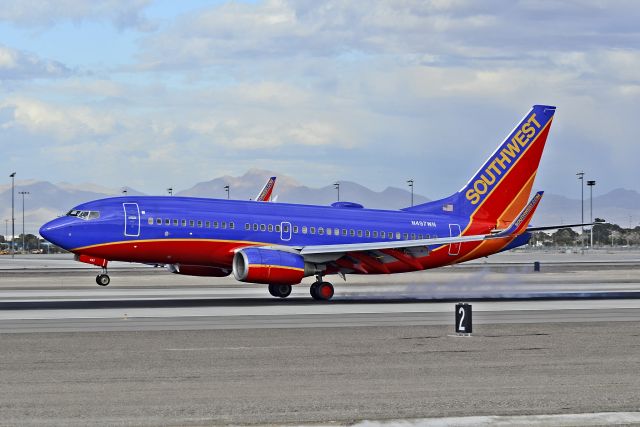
(321, 291)
(103, 279)
(280, 291)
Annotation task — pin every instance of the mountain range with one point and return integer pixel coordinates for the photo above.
(46, 200)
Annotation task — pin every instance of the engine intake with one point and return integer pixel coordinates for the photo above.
(271, 266)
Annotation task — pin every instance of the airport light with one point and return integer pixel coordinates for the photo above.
(580, 176)
(23, 193)
(336, 185)
(170, 191)
(226, 188)
(591, 184)
(124, 191)
(13, 217)
(410, 182)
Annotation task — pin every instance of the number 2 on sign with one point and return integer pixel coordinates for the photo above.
(460, 327)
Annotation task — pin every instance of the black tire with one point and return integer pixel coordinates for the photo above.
(103, 279)
(313, 290)
(280, 291)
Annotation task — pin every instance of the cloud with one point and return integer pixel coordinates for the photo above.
(18, 65)
(63, 123)
(47, 13)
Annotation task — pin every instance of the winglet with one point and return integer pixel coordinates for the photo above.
(519, 225)
(267, 190)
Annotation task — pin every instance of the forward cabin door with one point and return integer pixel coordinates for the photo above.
(454, 231)
(131, 219)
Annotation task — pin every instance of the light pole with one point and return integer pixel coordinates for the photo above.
(13, 217)
(23, 193)
(591, 184)
(6, 230)
(170, 191)
(227, 188)
(580, 176)
(336, 185)
(410, 182)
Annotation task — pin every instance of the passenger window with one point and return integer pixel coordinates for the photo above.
(263, 227)
(427, 236)
(367, 233)
(200, 223)
(295, 229)
(329, 230)
(286, 228)
(419, 236)
(352, 232)
(184, 222)
(247, 226)
(413, 236)
(224, 224)
(278, 228)
(336, 231)
(232, 225)
(207, 224)
(255, 227)
(375, 234)
(191, 223)
(398, 235)
(270, 228)
(150, 221)
(304, 229)
(405, 236)
(344, 231)
(159, 221)
(390, 234)
(215, 224)
(167, 221)
(175, 222)
(320, 230)
(359, 233)
(312, 230)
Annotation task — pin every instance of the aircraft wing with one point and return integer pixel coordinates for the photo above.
(354, 247)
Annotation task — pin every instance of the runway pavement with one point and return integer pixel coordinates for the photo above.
(159, 349)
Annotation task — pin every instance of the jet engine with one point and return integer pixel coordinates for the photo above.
(271, 266)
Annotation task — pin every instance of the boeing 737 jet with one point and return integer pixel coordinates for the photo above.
(279, 244)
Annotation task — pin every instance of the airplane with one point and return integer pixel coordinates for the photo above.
(265, 194)
(280, 244)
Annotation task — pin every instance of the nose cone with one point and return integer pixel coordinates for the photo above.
(58, 231)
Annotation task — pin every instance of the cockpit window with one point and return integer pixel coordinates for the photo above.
(86, 215)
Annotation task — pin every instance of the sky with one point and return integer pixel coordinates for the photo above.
(157, 94)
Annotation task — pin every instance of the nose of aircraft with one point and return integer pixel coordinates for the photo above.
(57, 231)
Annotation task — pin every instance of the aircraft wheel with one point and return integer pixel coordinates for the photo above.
(314, 289)
(323, 291)
(280, 291)
(103, 279)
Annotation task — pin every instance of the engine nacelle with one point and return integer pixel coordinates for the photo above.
(198, 270)
(270, 266)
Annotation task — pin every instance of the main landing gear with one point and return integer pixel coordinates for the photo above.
(321, 291)
(280, 291)
(103, 279)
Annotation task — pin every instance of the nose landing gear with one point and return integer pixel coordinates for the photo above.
(103, 279)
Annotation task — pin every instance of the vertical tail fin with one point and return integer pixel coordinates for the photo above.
(502, 186)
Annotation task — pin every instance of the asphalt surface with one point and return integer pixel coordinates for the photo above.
(159, 349)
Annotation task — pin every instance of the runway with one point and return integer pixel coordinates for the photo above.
(160, 349)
